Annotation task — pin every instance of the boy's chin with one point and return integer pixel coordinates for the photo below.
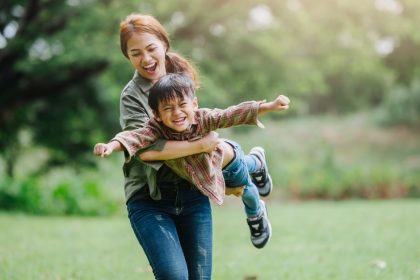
(179, 129)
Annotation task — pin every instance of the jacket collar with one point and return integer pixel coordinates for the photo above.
(142, 83)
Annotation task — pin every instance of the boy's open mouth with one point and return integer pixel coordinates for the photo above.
(179, 121)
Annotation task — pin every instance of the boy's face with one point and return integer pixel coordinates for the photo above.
(177, 114)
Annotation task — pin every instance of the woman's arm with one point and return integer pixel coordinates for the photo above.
(178, 149)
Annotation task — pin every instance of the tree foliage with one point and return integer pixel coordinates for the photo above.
(48, 67)
(327, 55)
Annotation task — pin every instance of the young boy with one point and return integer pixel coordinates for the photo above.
(177, 117)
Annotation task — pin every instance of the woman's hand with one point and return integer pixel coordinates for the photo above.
(210, 141)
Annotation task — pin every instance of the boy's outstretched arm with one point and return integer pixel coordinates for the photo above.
(281, 103)
(104, 150)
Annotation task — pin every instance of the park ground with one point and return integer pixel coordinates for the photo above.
(354, 239)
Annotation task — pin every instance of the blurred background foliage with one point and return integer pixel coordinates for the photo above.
(350, 67)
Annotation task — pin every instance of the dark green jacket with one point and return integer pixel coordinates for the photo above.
(134, 113)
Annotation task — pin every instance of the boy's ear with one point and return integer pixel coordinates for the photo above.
(156, 115)
(195, 104)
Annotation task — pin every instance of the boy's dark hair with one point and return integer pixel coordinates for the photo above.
(170, 87)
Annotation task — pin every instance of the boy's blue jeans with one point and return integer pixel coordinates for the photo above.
(236, 174)
(175, 232)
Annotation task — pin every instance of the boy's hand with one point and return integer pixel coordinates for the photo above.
(280, 103)
(102, 150)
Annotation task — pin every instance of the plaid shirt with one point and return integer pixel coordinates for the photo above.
(203, 170)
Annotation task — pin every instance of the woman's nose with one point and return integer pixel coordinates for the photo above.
(146, 58)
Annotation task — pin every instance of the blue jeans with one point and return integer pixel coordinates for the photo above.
(236, 174)
(175, 232)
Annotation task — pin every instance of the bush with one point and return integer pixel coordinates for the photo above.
(68, 197)
(330, 180)
(336, 157)
(402, 105)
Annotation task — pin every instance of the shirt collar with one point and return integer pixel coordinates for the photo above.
(142, 83)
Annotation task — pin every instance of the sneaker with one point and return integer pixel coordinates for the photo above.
(261, 178)
(260, 228)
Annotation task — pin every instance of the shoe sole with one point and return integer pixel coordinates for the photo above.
(270, 181)
(270, 232)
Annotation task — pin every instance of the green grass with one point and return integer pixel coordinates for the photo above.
(311, 240)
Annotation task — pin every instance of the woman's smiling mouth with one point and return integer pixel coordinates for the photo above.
(151, 68)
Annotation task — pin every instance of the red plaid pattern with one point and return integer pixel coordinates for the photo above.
(203, 170)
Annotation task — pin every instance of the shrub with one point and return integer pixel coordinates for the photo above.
(341, 181)
(68, 197)
(402, 105)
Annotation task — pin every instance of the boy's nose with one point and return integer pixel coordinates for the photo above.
(176, 111)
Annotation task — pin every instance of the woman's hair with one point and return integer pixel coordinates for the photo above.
(169, 87)
(138, 24)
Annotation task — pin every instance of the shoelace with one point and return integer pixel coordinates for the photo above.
(259, 178)
(256, 230)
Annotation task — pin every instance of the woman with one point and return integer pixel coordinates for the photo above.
(170, 217)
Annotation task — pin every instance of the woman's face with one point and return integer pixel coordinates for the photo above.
(147, 54)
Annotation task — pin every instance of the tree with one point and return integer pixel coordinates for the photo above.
(328, 55)
(47, 72)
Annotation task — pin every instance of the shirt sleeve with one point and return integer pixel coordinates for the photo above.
(243, 113)
(139, 139)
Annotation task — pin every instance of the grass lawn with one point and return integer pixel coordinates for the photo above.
(311, 240)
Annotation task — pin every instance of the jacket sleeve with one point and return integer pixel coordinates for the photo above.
(134, 115)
